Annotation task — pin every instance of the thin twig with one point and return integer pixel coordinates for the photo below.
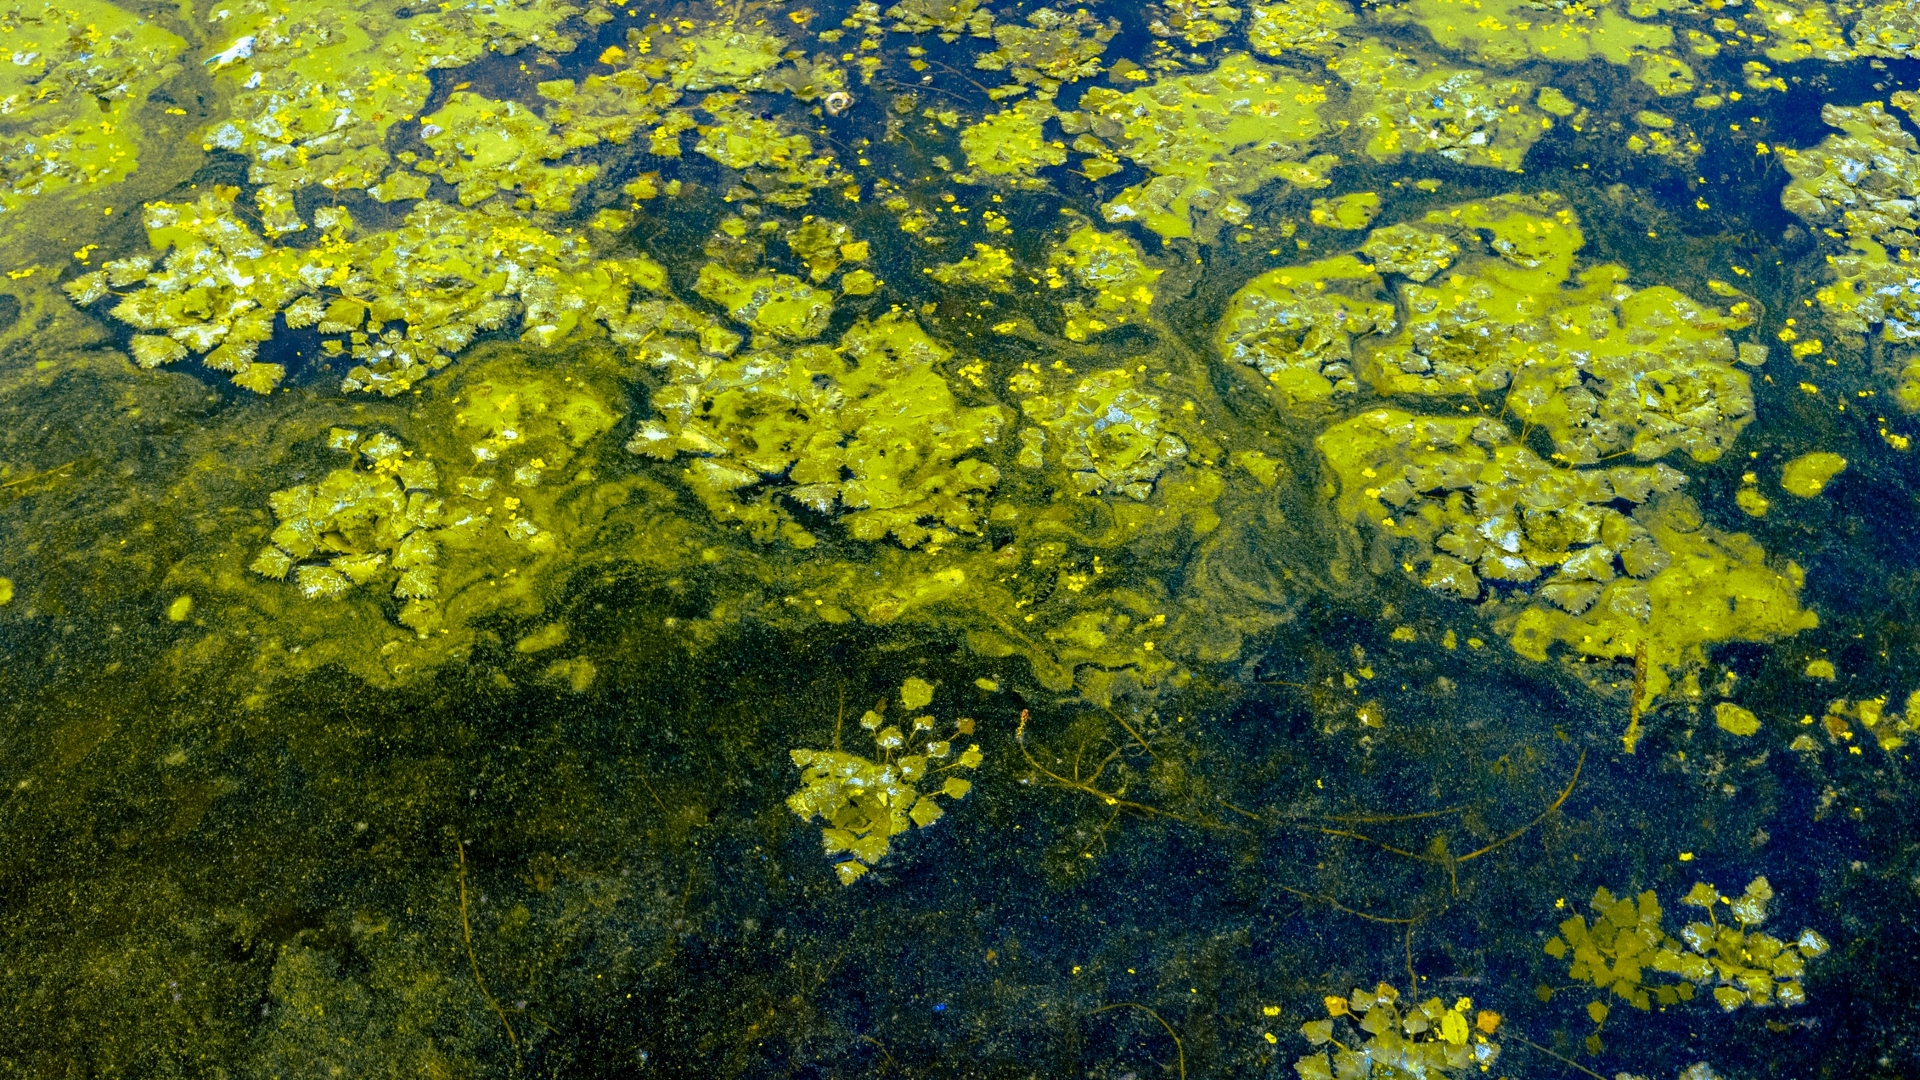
(38, 475)
(1356, 913)
(1178, 1049)
(1542, 816)
(466, 926)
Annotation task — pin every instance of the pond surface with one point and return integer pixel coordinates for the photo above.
(1313, 540)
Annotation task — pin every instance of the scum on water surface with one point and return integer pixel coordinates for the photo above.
(1308, 488)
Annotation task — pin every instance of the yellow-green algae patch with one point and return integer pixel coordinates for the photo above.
(404, 299)
(1612, 561)
(314, 89)
(1627, 944)
(1463, 115)
(1351, 212)
(865, 803)
(1732, 718)
(866, 430)
(1426, 1038)
(1809, 474)
(79, 70)
(1296, 325)
(1513, 31)
(1109, 265)
(1862, 185)
(1106, 431)
(1209, 139)
(1054, 47)
(483, 146)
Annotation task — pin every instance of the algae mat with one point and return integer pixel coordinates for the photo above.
(1311, 539)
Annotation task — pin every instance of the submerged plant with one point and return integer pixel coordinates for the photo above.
(1626, 943)
(866, 802)
(1372, 1036)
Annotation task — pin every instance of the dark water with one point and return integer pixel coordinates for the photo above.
(1235, 758)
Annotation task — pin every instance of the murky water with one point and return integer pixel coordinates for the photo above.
(1313, 540)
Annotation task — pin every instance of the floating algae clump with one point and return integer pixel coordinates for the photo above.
(1105, 430)
(949, 18)
(1864, 183)
(1412, 253)
(1514, 31)
(483, 146)
(77, 73)
(1195, 21)
(1350, 212)
(1459, 114)
(988, 266)
(1603, 368)
(1626, 943)
(1297, 325)
(1208, 139)
(357, 525)
(1012, 144)
(1296, 27)
(1484, 507)
(777, 304)
(869, 426)
(866, 803)
(316, 89)
(1430, 1038)
(1111, 265)
(1053, 48)
(405, 299)
(1809, 474)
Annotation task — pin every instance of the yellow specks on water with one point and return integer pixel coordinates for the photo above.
(1821, 669)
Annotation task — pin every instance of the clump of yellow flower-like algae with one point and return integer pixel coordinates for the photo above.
(1861, 185)
(1379, 1037)
(1809, 474)
(864, 802)
(1609, 561)
(869, 427)
(1626, 943)
(404, 299)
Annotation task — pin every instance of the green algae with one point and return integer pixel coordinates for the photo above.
(1505, 32)
(776, 304)
(1054, 48)
(405, 299)
(78, 73)
(866, 803)
(1346, 212)
(950, 19)
(1460, 114)
(1011, 145)
(988, 267)
(1860, 187)
(1196, 22)
(1209, 140)
(1296, 325)
(1379, 1037)
(1627, 944)
(867, 431)
(1809, 474)
(1309, 27)
(1106, 430)
(483, 146)
(1109, 265)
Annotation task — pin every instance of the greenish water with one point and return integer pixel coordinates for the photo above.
(547, 539)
